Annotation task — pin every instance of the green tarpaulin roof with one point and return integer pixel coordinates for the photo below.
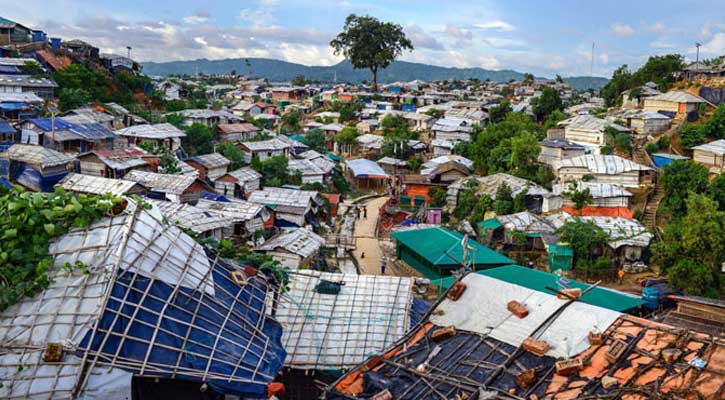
(333, 157)
(561, 249)
(433, 243)
(539, 280)
(491, 223)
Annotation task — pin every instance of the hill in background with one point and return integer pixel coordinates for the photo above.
(277, 70)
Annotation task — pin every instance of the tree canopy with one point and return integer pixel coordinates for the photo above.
(678, 180)
(658, 69)
(274, 170)
(547, 103)
(508, 146)
(692, 250)
(315, 138)
(370, 43)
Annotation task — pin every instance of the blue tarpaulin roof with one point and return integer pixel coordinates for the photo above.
(12, 106)
(364, 168)
(214, 197)
(235, 353)
(6, 128)
(5, 183)
(46, 124)
(93, 131)
(88, 131)
(9, 69)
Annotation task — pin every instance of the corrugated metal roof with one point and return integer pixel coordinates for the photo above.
(24, 97)
(677, 96)
(285, 197)
(17, 62)
(526, 222)
(26, 81)
(298, 241)
(560, 143)
(245, 174)
(271, 144)
(37, 155)
(242, 127)
(597, 189)
(429, 166)
(96, 185)
(196, 219)
(237, 210)
(173, 184)
(157, 131)
(717, 147)
(591, 123)
(621, 231)
(305, 167)
(369, 140)
(489, 185)
(212, 160)
(601, 164)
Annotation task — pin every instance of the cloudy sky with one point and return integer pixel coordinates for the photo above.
(544, 37)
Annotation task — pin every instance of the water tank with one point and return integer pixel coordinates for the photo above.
(55, 43)
(39, 36)
(651, 297)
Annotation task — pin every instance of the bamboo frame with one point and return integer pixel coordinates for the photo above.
(129, 252)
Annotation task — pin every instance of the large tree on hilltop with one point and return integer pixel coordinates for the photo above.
(370, 43)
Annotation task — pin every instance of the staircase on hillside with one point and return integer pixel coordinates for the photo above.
(640, 156)
(650, 210)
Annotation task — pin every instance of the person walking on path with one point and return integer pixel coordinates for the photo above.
(365, 212)
(382, 267)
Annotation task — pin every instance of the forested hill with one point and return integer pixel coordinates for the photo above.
(277, 70)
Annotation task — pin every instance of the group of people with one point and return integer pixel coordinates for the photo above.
(364, 212)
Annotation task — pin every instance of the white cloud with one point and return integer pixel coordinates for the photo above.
(504, 42)
(461, 37)
(168, 41)
(622, 30)
(603, 58)
(715, 46)
(657, 27)
(421, 39)
(500, 26)
(556, 63)
(661, 44)
(195, 19)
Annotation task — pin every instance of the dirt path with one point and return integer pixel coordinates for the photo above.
(366, 240)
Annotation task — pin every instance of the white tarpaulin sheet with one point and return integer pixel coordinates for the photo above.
(482, 309)
(39, 380)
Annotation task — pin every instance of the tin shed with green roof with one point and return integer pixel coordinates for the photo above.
(435, 252)
(538, 280)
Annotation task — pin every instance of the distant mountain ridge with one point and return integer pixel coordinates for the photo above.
(277, 70)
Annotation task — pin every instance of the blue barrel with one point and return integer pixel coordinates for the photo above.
(651, 297)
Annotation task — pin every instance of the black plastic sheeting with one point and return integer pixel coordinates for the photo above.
(714, 96)
(457, 353)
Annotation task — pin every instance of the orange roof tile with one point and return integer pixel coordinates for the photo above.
(593, 211)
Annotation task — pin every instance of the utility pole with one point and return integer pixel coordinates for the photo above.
(591, 65)
(697, 56)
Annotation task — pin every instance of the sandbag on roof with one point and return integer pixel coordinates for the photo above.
(482, 309)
